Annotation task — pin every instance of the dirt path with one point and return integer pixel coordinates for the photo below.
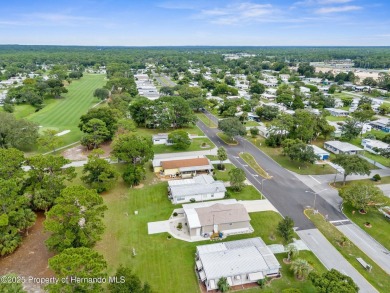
(31, 258)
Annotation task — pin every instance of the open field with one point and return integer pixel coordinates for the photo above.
(206, 120)
(64, 114)
(380, 225)
(284, 161)
(196, 145)
(377, 277)
(250, 160)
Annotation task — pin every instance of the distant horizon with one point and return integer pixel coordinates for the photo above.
(157, 23)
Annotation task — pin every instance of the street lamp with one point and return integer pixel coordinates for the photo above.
(315, 196)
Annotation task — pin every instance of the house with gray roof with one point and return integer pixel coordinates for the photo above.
(240, 262)
(199, 188)
(340, 147)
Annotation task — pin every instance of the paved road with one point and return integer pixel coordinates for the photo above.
(286, 193)
(331, 258)
(164, 80)
(370, 246)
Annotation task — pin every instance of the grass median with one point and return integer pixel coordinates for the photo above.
(206, 120)
(250, 160)
(377, 277)
(226, 139)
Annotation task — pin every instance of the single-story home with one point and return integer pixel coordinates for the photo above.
(184, 167)
(339, 147)
(240, 262)
(373, 145)
(224, 216)
(268, 96)
(381, 124)
(320, 153)
(161, 138)
(199, 188)
(337, 112)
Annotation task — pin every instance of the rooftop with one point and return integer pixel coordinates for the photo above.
(175, 164)
(343, 146)
(201, 184)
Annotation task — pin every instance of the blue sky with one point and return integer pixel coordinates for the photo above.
(197, 22)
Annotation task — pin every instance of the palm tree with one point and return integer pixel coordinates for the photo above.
(301, 268)
(223, 285)
(292, 251)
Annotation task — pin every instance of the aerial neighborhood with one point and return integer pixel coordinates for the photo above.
(248, 173)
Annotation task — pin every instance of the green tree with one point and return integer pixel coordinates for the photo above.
(297, 103)
(102, 94)
(79, 262)
(254, 131)
(17, 133)
(292, 251)
(257, 88)
(180, 139)
(188, 92)
(285, 228)
(237, 178)
(333, 282)
(223, 284)
(351, 128)
(267, 112)
(133, 148)
(347, 101)
(49, 140)
(363, 113)
(96, 133)
(297, 150)
(16, 215)
(304, 125)
(134, 174)
(76, 219)
(352, 164)
(301, 268)
(131, 284)
(99, 173)
(222, 156)
(384, 109)
(232, 127)
(12, 286)
(362, 195)
(46, 179)
(106, 114)
(11, 162)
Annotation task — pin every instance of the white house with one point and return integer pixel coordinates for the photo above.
(339, 147)
(320, 153)
(240, 262)
(199, 188)
(337, 112)
(161, 138)
(373, 146)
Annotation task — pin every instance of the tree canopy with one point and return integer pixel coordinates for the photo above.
(232, 127)
(352, 164)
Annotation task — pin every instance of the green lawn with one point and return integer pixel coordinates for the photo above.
(226, 139)
(377, 277)
(208, 122)
(380, 225)
(196, 145)
(334, 118)
(168, 264)
(377, 158)
(250, 160)
(223, 175)
(64, 114)
(384, 180)
(285, 162)
(247, 193)
(150, 131)
(251, 123)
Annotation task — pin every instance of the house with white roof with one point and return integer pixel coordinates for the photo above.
(340, 147)
(240, 262)
(337, 112)
(199, 188)
(320, 153)
(373, 145)
(226, 217)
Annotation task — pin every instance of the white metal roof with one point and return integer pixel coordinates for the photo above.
(343, 146)
(319, 151)
(236, 258)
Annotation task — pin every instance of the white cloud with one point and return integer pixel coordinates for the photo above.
(334, 1)
(239, 13)
(336, 9)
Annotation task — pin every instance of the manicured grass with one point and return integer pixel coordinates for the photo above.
(285, 162)
(64, 113)
(150, 131)
(196, 145)
(376, 158)
(250, 160)
(251, 123)
(208, 122)
(247, 193)
(168, 265)
(384, 180)
(223, 175)
(226, 139)
(334, 118)
(380, 224)
(377, 277)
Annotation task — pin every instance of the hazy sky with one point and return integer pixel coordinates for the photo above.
(197, 22)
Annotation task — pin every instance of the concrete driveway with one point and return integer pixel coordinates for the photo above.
(158, 227)
(258, 205)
